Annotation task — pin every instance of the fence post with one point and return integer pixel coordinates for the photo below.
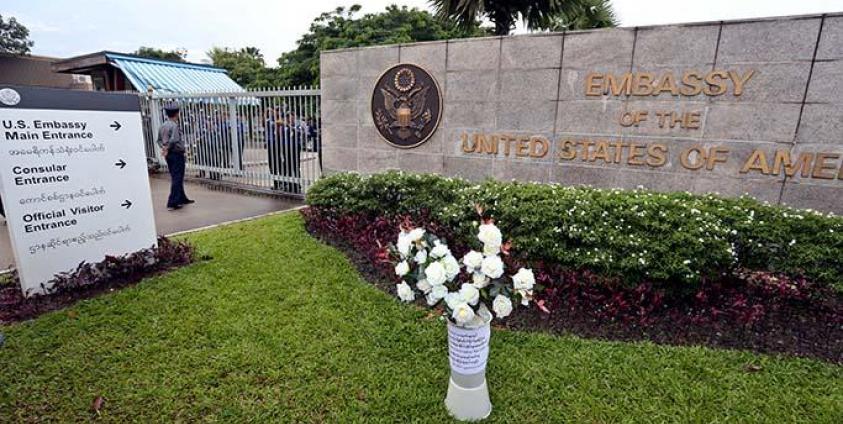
(235, 141)
(155, 123)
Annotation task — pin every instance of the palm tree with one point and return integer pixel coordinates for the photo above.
(590, 14)
(536, 14)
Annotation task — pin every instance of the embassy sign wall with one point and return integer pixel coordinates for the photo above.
(73, 179)
(738, 107)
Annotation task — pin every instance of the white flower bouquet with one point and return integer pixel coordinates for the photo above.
(427, 268)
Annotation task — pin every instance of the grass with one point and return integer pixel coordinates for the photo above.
(279, 327)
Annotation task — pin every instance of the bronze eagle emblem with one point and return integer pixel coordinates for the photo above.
(406, 106)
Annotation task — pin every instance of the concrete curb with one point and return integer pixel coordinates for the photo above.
(229, 187)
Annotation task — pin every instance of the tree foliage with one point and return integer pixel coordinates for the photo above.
(345, 27)
(536, 14)
(178, 55)
(245, 66)
(14, 37)
(341, 28)
(590, 14)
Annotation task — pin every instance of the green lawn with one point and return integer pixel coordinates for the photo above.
(279, 327)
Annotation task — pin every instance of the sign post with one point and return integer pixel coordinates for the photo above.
(73, 179)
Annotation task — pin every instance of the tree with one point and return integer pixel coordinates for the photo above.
(591, 14)
(245, 66)
(178, 55)
(340, 28)
(14, 37)
(536, 14)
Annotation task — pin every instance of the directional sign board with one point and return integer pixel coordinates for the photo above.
(73, 179)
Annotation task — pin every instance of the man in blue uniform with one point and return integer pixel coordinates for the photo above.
(172, 147)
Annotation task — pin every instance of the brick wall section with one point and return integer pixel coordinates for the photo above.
(534, 85)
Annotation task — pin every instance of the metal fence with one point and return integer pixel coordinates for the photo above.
(266, 139)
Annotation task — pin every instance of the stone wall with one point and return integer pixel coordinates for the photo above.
(537, 86)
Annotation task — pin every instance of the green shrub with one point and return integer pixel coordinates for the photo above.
(632, 235)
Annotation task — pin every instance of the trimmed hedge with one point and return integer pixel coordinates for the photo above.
(629, 236)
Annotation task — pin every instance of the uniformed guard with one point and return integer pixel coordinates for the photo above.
(171, 140)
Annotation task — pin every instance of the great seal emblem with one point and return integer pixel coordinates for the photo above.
(406, 105)
(9, 97)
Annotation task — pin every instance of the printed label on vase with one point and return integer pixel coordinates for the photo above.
(468, 348)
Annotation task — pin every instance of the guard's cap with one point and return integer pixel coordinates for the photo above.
(171, 107)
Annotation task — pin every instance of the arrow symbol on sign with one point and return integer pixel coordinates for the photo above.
(126, 204)
(116, 125)
(120, 163)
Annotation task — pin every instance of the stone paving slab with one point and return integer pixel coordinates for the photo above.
(211, 207)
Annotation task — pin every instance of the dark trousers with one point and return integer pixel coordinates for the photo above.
(175, 162)
(292, 168)
(2, 212)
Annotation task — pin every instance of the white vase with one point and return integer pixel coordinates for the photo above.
(468, 352)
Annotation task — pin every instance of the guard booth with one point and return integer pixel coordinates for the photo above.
(112, 71)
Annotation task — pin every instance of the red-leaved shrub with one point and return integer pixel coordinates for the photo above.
(756, 310)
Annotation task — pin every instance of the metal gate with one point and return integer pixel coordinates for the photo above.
(265, 139)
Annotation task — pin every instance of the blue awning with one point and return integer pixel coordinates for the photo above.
(172, 77)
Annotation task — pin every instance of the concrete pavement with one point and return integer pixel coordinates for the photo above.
(211, 207)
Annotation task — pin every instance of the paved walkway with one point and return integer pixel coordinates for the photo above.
(211, 207)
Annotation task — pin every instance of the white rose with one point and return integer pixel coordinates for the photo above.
(439, 292)
(491, 249)
(492, 266)
(469, 294)
(403, 236)
(435, 274)
(431, 299)
(421, 256)
(463, 314)
(416, 234)
(452, 267)
(472, 260)
(403, 246)
(405, 293)
(402, 268)
(440, 251)
(502, 306)
(490, 234)
(453, 299)
(479, 280)
(424, 286)
(523, 279)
